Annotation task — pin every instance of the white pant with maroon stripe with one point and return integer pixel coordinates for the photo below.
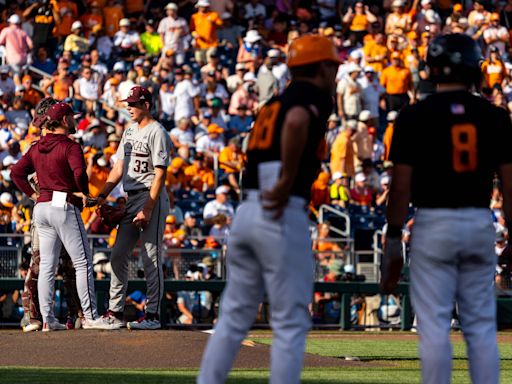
(63, 226)
(272, 256)
(453, 260)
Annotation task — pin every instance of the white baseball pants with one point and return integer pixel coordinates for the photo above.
(453, 260)
(58, 227)
(264, 256)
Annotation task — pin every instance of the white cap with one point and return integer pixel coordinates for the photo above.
(479, 17)
(19, 88)
(333, 117)
(171, 6)
(425, 2)
(463, 21)
(119, 66)
(222, 189)
(385, 179)
(369, 69)
(352, 124)
(124, 23)
(391, 115)
(356, 54)
(9, 160)
(240, 66)
(365, 115)
(252, 36)
(76, 25)
(360, 177)
(349, 268)
(226, 16)
(138, 61)
(337, 175)
(274, 53)
(431, 16)
(6, 199)
(99, 257)
(14, 19)
(4, 69)
(203, 3)
(353, 67)
(249, 76)
(397, 3)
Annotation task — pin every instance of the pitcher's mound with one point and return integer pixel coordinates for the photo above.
(125, 349)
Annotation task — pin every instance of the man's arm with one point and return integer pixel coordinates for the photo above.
(19, 174)
(399, 196)
(294, 136)
(77, 164)
(143, 217)
(505, 172)
(114, 177)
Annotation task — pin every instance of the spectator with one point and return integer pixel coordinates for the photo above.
(363, 147)
(182, 136)
(219, 206)
(46, 16)
(371, 93)
(113, 13)
(43, 62)
(199, 177)
(87, 89)
(151, 40)
(127, 41)
(212, 143)
(349, 94)
(496, 35)
(342, 152)
(186, 95)
(95, 136)
(266, 83)
(76, 42)
(388, 134)
(203, 26)
(17, 44)
(398, 83)
(240, 124)
(339, 192)
(174, 33)
(320, 191)
(7, 85)
(250, 52)
(358, 18)
(361, 194)
(493, 69)
(231, 161)
(255, 10)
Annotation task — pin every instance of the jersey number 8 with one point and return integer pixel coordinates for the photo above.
(263, 131)
(464, 152)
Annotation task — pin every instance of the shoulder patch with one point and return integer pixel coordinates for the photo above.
(162, 155)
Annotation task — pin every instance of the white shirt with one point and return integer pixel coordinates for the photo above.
(88, 88)
(205, 144)
(255, 11)
(175, 32)
(282, 74)
(183, 137)
(351, 101)
(167, 102)
(214, 208)
(496, 33)
(7, 86)
(184, 92)
(100, 68)
(126, 40)
(370, 93)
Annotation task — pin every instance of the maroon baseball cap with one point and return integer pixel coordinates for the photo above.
(138, 94)
(59, 110)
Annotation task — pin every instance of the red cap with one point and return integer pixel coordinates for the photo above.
(138, 94)
(58, 111)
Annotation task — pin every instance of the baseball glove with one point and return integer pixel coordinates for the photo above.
(111, 216)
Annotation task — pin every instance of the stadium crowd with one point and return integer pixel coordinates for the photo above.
(210, 66)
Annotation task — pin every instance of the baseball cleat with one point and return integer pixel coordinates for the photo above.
(53, 325)
(145, 323)
(32, 326)
(92, 324)
(107, 322)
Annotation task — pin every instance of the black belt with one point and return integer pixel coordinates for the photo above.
(137, 191)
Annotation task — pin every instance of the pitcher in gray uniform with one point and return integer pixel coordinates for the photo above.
(143, 157)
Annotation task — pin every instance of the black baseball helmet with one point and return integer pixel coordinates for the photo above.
(454, 58)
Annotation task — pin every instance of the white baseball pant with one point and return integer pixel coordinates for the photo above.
(57, 227)
(271, 256)
(452, 259)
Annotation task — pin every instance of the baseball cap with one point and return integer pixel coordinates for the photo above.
(352, 124)
(425, 2)
(329, 31)
(119, 67)
(214, 128)
(6, 200)
(226, 16)
(397, 3)
(4, 69)
(252, 36)
(138, 62)
(76, 25)
(360, 177)
(249, 76)
(223, 189)
(274, 53)
(19, 88)
(113, 138)
(124, 22)
(9, 160)
(202, 3)
(365, 115)
(391, 115)
(369, 69)
(395, 55)
(170, 219)
(59, 110)
(189, 215)
(138, 94)
(338, 175)
(353, 67)
(94, 123)
(457, 8)
(240, 67)
(113, 81)
(14, 19)
(99, 257)
(385, 180)
(333, 117)
(172, 6)
(495, 16)
(216, 103)
(177, 162)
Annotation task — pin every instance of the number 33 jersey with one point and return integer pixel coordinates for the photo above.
(265, 140)
(455, 142)
(142, 150)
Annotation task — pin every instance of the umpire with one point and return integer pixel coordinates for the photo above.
(60, 167)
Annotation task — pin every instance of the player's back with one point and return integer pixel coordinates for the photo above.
(454, 141)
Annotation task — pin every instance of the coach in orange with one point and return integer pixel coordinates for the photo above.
(397, 81)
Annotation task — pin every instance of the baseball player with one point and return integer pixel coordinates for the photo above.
(143, 157)
(60, 167)
(452, 246)
(31, 320)
(269, 246)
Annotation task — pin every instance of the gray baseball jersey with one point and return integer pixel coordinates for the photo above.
(142, 150)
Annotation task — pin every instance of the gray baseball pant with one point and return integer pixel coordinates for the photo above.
(272, 256)
(151, 245)
(58, 227)
(453, 259)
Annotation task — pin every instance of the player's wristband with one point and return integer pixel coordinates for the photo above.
(394, 231)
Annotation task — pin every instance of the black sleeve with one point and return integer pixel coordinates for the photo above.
(503, 137)
(403, 143)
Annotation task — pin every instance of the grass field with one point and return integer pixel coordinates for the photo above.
(396, 361)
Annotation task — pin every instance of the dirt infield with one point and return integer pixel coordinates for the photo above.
(125, 349)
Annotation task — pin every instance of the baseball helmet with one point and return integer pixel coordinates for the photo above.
(310, 49)
(454, 58)
(40, 111)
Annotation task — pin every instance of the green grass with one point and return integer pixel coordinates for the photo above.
(397, 360)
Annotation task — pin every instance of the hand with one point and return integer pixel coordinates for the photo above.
(90, 201)
(142, 219)
(391, 264)
(100, 201)
(277, 198)
(34, 196)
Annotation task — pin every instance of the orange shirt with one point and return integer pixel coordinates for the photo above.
(32, 97)
(109, 152)
(97, 180)
(228, 155)
(175, 181)
(319, 194)
(359, 23)
(205, 25)
(112, 16)
(134, 6)
(68, 14)
(342, 155)
(197, 178)
(493, 73)
(396, 80)
(89, 20)
(61, 88)
(379, 52)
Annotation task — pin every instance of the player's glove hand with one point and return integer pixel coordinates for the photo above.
(391, 264)
(90, 201)
(111, 216)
